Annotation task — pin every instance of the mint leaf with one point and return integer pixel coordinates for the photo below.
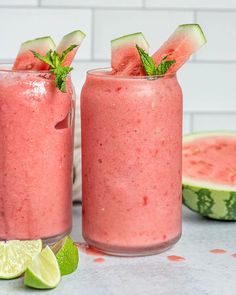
(55, 61)
(147, 61)
(149, 65)
(164, 66)
(46, 58)
(60, 77)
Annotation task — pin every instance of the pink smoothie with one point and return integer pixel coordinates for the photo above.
(131, 163)
(35, 156)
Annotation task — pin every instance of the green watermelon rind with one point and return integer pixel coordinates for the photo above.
(124, 40)
(195, 30)
(214, 204)
(211, 200)
(75, 37)
(37, 43)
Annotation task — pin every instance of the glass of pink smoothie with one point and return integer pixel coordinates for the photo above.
(36, 152)
(131, 162)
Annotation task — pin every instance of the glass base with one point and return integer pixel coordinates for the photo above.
(50, 240)
(133, 251)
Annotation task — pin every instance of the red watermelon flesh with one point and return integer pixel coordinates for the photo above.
(185, 40)
(25, 59)
(125, 59)
(73, 38)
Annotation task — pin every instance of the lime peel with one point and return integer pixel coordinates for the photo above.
(43, 272)
(16, 255)
(67, 255)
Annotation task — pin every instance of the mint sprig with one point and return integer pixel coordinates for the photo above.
(164, 66)
(55, 61)
(149, 65)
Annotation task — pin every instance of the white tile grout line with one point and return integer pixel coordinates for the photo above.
(195, 16)
(191, 122)
(196, 113)
(92, 34)
(142, 7)
(41, 6)
(194, 57)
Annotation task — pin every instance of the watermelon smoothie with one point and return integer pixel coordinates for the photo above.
(36, 151)
(131, 162)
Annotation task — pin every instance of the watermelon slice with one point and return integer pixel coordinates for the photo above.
(73, 38)
(125, 60)
(186, 40)
(25, 59)
(209, 174)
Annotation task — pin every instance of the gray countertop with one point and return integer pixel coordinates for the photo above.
(202, 272)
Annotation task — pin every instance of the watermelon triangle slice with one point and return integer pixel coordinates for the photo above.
(185, 40)
(73, 38)
(25, 59)
(125, 60)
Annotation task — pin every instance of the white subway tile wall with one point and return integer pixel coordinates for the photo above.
(191, 4)
(220, 29)
(208, 80)
(205, 122)
(94, 3)
(27, 23)
(19, 2)
(110, 24)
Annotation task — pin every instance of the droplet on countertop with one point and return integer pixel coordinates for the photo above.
(85, 248)
(175, 258)
(217, 251)
(99, 260)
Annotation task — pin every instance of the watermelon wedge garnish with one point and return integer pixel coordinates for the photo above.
(125, 60)
(73, 38)
(40, 54)
(130, 53)
(25, 59)
(209, 174)
(185, 40)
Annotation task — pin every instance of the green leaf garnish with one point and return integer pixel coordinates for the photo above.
(55, 61)
(164, 66)
(147, 61)
(149, 65)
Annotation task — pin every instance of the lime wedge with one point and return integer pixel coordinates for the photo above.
(43, 271)
(67, 255)
(15, 256)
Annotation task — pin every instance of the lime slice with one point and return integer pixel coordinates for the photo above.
(43, 271)
(67, 255)
(15, 256)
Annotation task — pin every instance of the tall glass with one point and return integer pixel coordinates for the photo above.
(131, 162)
(36, 152)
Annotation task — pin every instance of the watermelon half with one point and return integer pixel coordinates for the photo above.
(185, 40)
(125, 59)
(25, 59)
(209, 174)
(73, 38)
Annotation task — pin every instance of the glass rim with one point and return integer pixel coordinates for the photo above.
(101, 72)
